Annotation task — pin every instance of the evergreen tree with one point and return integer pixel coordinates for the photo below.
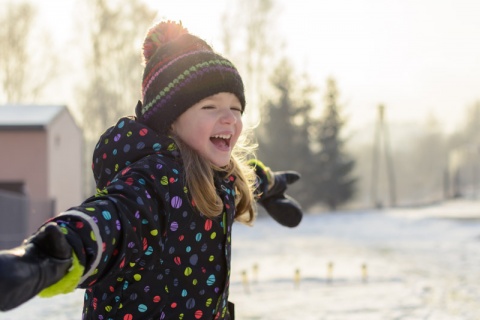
(334, 183)
(283, 135)
(276, 133)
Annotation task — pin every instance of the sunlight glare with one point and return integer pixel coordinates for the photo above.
(199, 20)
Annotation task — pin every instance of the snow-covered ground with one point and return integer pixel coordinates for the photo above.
(374, 265)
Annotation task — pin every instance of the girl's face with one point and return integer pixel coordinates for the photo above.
(212, 127)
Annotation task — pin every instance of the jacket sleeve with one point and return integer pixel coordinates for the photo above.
(117, 226)
(264, 177)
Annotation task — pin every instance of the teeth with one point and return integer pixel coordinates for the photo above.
(222, 136)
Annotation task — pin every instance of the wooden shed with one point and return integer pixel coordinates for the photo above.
(41, 167)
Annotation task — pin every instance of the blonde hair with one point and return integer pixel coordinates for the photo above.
(199, 176)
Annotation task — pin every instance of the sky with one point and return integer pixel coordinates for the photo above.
(418, 58)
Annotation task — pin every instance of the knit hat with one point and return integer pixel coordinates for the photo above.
(180, 70)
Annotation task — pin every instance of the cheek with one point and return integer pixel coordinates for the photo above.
(196, 138)
(238, 132)
(239, 126)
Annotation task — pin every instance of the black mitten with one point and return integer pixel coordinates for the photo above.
(284, 209)
(42, 260)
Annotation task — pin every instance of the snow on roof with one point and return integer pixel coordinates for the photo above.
(28, 116)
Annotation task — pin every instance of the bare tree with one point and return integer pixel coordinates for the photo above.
(22, 75)
(113, 61)
(422, 175)
(113, 65)
(464, 155)
(248, 37)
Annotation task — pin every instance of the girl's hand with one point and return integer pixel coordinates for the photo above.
(283, 208)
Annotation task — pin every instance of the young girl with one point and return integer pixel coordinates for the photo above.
(155, 241)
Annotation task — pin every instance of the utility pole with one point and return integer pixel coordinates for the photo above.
(382, 143)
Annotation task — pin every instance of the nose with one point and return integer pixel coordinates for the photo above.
(228, 117)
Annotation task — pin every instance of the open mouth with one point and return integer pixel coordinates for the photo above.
(221, 141)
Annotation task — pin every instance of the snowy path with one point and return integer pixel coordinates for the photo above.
(417, 267)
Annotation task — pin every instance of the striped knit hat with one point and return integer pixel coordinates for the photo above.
(180, 70)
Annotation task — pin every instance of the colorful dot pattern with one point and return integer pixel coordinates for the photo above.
(160, 257)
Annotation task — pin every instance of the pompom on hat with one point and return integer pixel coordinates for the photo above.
(180, 70)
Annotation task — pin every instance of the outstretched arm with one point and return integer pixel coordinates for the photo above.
(78, 247)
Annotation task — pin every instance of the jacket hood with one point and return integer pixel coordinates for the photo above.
(125, 143)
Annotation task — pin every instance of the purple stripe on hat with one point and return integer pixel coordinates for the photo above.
(187, 81)
(155, 75)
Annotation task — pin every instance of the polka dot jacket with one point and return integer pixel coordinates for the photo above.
(148, 253)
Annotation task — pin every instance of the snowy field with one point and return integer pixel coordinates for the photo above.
(373, 265)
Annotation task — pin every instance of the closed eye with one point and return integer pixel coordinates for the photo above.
(237, 109)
